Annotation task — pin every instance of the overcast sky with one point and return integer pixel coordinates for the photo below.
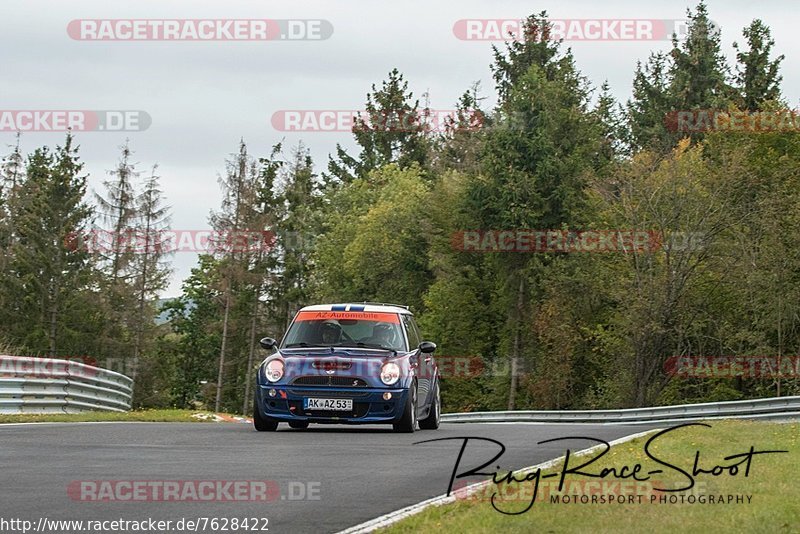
(204, 96)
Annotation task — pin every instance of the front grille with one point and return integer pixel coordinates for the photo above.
(339, 381)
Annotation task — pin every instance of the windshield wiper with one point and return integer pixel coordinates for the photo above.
(369, 346)
(304, 345)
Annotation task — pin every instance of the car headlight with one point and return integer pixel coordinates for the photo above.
(390, 373)
(274, 370)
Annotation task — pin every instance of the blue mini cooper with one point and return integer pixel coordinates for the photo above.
(349, 363)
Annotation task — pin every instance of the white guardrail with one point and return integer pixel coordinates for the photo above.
(787, 408)
(46, 385)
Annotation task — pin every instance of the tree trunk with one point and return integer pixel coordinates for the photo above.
(137, 342)
(247, 403)
(780, 342)
(142, 296)
(53, 317)
(53, 325)
(221, 372)
(515, 351)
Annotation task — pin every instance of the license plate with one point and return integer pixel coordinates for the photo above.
(337, 405)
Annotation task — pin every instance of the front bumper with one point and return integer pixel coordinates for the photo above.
(368, 404)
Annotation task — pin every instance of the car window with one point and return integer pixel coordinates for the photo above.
(416, 329)
(411, 330)
(330, 329)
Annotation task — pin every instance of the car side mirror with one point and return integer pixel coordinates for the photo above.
(427, 347)
(267, 343)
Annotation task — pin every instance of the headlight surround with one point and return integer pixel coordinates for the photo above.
(274, 370)
(390, 373)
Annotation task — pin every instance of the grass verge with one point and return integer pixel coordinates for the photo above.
(773, 484)
(151, 416)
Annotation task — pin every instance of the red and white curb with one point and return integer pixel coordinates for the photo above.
(398, 515)
(222, 418)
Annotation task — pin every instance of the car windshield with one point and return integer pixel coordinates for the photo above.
(345, 329)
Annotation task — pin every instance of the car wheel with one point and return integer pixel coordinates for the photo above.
(408, 423)
(261, 423)
(435, 416)
(298, 424)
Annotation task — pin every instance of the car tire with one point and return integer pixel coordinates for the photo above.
(435, 415)
(298, 424)
(408, 422)
(261, 423)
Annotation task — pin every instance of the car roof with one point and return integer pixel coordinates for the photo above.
(359, 307)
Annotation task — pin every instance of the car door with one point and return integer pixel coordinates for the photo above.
(423, 361)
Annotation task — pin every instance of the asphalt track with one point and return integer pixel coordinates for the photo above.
(352, 474)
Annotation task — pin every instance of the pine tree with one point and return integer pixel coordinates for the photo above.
(7, 189)
(119, 215)
(49, 275)
(13, 169)
(758, 77)
(459, 146)
(650, 105)
(392, 130)
(535, 47)
(609, 117)
(298, 225)
(149, 271)
(116, 249)
(698, 72)
(693, 77)
(12, 174)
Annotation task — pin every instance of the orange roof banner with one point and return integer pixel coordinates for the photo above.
(383, 317)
